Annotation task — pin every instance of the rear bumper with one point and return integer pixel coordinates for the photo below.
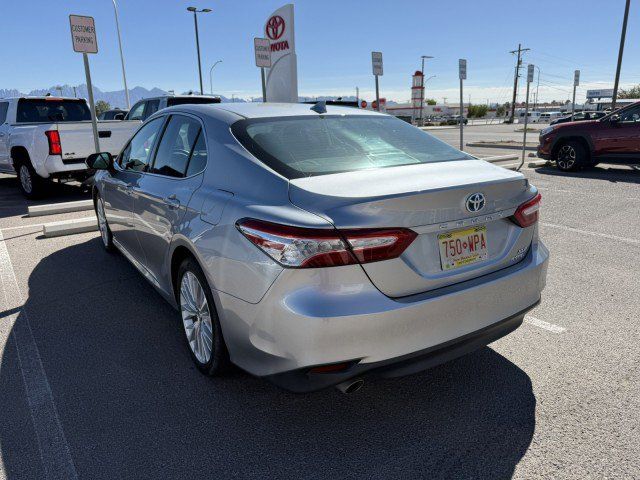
(55, 166)
(310, 318)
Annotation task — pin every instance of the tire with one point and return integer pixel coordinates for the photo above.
(571, 156)
(199, 321)
(103, 225)
(31, 184)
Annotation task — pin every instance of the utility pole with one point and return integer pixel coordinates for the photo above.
(620, 51)
(576, 82)
(357, 97)
(422, 90)
(520, 51)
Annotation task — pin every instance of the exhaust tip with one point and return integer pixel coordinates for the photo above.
(350, 386)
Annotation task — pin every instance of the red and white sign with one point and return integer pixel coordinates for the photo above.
(282, 77)
(83, 34)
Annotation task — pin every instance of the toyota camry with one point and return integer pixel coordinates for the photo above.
(317, 246)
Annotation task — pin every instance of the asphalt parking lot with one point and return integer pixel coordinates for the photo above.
(95, 381)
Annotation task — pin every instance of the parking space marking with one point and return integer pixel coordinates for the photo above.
(52, 444)
(633, 241)
(536, 322)
(590, 193)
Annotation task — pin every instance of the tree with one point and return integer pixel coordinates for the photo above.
(477, 111)
(431, 101)
(633, 92)
(101, 107)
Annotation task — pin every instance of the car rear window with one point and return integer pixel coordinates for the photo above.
(51, 110)
(320, 145)
(191, 100)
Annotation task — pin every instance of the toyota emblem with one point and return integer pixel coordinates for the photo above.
(275, 27)
(475, 202)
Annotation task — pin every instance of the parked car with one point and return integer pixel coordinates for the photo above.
(548, 117)
(43, 138)
(575, 145)
(316, 247)
(147, 107)
(115, 114)
(580, 117)
(455, 120)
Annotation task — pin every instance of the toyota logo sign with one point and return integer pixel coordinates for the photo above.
(475, 202)
(275, 27)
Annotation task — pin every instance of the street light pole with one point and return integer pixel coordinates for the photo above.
(124, 75)
(620, 51)
(423, 57)
(195, 23)
(211, 76)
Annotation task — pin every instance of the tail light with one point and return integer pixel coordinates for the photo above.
(297, 247)
(527, 214)
(55, 147)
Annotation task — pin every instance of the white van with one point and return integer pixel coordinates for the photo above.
(547, 117)
(533, 117)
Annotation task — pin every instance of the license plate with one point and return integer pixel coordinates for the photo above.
(463, 247)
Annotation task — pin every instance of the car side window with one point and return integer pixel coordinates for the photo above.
(198, 159)
(137, 111)
(152, 107)
(632, 115)
(4, 106)
(137, 154)
(176, 146)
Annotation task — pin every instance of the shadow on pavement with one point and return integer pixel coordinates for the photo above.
(133, 406)
(612, 173)
(13, 203)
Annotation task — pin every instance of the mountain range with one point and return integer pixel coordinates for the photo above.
(117, 98)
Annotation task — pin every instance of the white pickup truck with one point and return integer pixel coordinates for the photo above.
(45, 138)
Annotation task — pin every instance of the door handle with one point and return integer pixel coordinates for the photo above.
(1, 134)
(172, 201)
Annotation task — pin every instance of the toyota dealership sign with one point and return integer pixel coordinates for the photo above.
(282, 77)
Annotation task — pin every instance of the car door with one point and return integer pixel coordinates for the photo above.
(619, 139)
(5, 160)
(162, 200)
(120, 186)
(151, 107)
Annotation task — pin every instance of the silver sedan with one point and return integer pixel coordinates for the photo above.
(318, 246)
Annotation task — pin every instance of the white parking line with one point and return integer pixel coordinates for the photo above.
(633, 241)
(586, 192)
(52, 444)
(544, 325)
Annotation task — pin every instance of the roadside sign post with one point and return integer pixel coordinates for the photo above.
(530, 71)
(376, 64)
(84, 39)
(462, 73)
(262, 47)
(576, 82)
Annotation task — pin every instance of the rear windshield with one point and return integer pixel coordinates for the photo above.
(191, 100)
(53, 110)
(305, 146)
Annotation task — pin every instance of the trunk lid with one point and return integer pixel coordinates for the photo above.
(76, 138)
(430, 199)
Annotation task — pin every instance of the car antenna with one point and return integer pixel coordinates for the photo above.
(320, 107)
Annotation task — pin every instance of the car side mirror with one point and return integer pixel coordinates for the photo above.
(100, 161)
(614, 118)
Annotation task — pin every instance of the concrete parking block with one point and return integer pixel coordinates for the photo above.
(70, 227)
(54, 208)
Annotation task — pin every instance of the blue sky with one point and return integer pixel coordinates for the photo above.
(334, 41)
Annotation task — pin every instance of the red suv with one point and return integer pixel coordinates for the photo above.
(574, 145)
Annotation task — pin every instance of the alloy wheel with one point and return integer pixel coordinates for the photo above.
(566, 157)
(25, 179)
(196, 317)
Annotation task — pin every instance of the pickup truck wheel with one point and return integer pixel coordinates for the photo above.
(571, 156)
(103, 225)
(30, 183)
(200, 321)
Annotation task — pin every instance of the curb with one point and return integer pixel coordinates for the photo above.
(70, 227)
(509, 146)
(53, 208)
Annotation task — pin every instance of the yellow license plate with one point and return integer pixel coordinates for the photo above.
(463, 247)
